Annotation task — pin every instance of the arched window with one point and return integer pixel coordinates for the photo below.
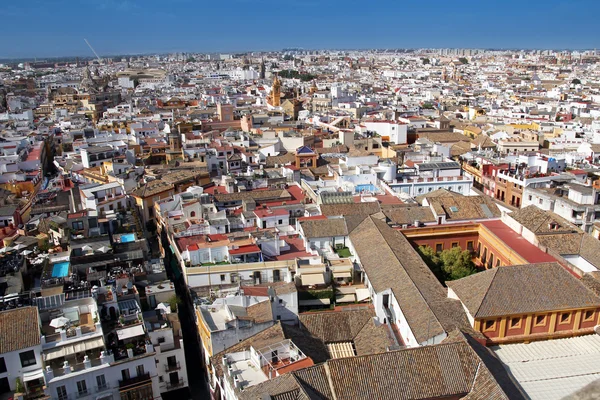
(193, 214)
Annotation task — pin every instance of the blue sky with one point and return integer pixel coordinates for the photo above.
(45, 28)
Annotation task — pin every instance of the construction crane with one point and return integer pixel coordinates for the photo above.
(94, 51)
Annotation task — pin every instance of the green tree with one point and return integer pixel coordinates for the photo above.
(425, 61)
(457, 263)
(463, 60)
(448, 265)
(576, 81)
(433, 261)
(174, 301)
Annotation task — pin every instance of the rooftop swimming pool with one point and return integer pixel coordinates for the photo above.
(128, 237)
(60, 270)
(366, 188)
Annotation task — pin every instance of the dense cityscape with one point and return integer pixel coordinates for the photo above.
(301, 224)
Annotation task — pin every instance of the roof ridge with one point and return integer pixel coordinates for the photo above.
(410, 277)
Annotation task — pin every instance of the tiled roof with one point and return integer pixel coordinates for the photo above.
(538, 221)
(19, 329)
(464, 207)
(347, 326)
(324, 228)
(390, 262)
(260, 312)
(152, 188)
(409, 214)
(364, 208)
(421, 373)
(279, 194)
(522, 289)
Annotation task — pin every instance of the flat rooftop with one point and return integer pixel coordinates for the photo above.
(517, 242)
(552, 369)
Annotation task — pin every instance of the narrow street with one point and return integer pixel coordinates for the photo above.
(193, 353)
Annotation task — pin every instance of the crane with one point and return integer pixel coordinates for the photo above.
(94, 51)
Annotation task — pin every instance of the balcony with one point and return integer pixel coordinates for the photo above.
(143, 378)
(83, 393)
(101, 388)
(172, 366)
(175, 385)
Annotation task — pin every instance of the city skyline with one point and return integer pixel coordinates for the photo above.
(131, 27)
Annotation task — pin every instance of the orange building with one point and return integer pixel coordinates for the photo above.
(527, 302)
(492, 243)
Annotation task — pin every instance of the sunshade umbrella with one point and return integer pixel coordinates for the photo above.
(59, 322)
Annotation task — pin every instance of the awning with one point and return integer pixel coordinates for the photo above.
(345, 298)
(314, 302)
(59, 352)
(342, 274)
(362, 294)
(33, 375)
(67, 350)
(312, 279)
(89, 345)
(130, 332)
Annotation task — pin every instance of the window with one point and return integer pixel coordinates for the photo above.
(541, 201)
(81, 387)
(489, 325)
(61, 392)
(497, 263)
(139, 370)
(540, 320)
(439, 247)
(2, 365)
(470, 245)
(454, 244)
(588, 315)
(530, 197)
(125, 374)
(280, 301)
(193, 214)
(222, 277)
(565, 318)
(27, 358)
(514, 323)
(77, 225)
(280, 222)
(101, 382)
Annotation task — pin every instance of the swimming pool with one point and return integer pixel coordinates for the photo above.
(60, 270)
(366, 188)
(128, 237)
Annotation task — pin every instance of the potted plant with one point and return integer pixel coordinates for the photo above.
(19, 388)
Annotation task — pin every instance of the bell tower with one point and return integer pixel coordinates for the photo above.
(276, 92)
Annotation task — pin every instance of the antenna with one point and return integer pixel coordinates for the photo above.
(94, 51)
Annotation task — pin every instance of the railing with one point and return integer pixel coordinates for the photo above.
(83, 393)
(132, 381)
(173, 385)
(172, 366)
(101, 388)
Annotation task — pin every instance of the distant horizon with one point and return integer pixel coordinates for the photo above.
(43, 29)
(233, 52)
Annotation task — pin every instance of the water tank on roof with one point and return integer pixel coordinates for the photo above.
(389, 168)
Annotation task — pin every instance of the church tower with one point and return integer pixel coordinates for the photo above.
(174, 141)
(276, 92)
